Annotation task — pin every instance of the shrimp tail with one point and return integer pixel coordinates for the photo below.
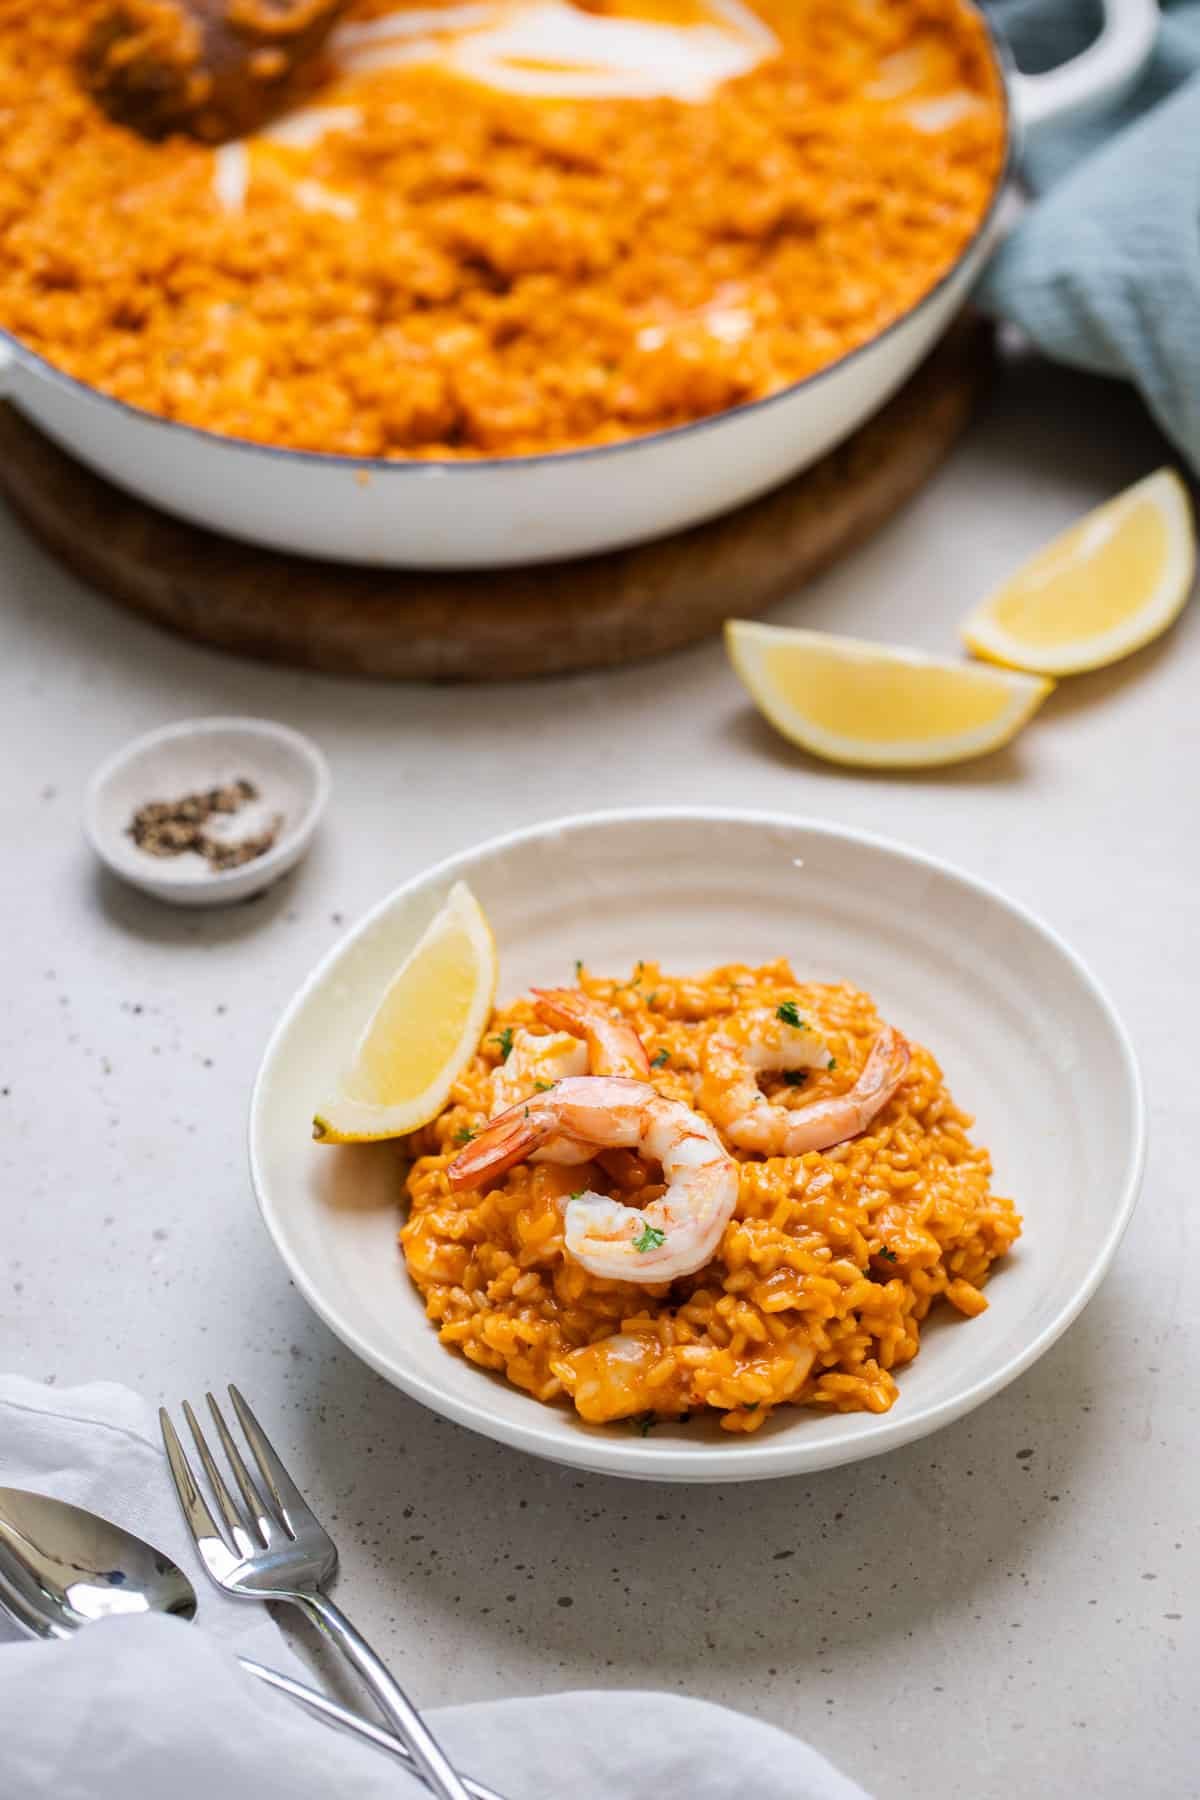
(885, 1069)
(506, 1140)
(564, 1009)
(614, 1047)
(829, 1122)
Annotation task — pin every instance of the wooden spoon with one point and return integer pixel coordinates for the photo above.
(214, 69)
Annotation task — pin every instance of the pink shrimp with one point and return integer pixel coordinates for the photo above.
(613, 1047)
(730, 1094)
(586, 1040)
(673, 1235)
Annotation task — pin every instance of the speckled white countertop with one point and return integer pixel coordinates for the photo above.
(1008, 1608)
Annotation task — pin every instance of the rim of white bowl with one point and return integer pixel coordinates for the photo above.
(783, 1454)
(264, 867)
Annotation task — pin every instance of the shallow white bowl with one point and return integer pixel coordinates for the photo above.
(287, 769)
(1028, 1040)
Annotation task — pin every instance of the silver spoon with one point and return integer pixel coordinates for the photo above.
(62, 1567)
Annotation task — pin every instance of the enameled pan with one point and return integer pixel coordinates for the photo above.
(529, 509)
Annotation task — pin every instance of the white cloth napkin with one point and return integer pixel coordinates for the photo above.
(142, 1708)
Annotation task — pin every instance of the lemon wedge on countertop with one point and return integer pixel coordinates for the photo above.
(424, 1030)
(1102, 589)
(875, 705)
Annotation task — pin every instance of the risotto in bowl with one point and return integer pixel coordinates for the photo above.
(775, 1241)
(653, 1196)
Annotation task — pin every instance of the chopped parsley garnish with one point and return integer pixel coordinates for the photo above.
(578, 968)
(577, 1195)
(795, 1077)
(504, 1039)
(832, 1063)
(789, 1012)
(658, 1059)
(750, 1406)
(463, 1135)
(543, 1087)
(888, 1255)
(644, 1423)
(651, 1239)
(651, 998)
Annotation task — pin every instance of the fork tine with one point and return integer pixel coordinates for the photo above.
(195, 1508)
(264, 1524)
(290, 1503)
(243, 1538)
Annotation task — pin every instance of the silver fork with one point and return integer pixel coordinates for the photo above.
(281, 1551)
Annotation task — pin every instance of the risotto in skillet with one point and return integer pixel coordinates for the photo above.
(502, 226)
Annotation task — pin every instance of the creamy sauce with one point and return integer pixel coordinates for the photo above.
(231, 175)
(552, 49)
(543, 48)
(314, 196)
(415, 21)
(728, 324)
(898, 74)
(943, 111)
(922, 81)
(301, 130)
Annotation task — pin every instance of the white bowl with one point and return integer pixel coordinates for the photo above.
(287, 769)
(1028, 1040)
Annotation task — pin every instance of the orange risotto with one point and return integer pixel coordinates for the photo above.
(423, 264)
(821, 1278)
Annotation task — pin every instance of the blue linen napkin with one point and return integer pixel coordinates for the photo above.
(1103, 271)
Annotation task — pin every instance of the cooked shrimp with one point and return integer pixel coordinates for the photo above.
(752, 1041)
(613, 1047)
(673, 1235)
(610, 1047)
(746, 1045)
(587, 1040)
(535, 1061)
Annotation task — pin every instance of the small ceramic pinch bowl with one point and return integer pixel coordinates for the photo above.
(286, 769)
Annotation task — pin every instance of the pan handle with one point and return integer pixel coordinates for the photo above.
(1102, 72)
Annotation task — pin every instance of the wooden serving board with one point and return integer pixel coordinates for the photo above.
(490, 626)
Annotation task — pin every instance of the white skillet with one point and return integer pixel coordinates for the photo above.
(531, 509)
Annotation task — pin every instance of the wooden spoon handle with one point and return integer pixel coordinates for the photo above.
(215, 69)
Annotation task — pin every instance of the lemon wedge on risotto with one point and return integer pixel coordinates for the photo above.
(875, 705)
(423, 1031)
(1100, 590)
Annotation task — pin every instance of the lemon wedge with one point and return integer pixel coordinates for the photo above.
(875, 705)
(1101, 590)
(424, 1030)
